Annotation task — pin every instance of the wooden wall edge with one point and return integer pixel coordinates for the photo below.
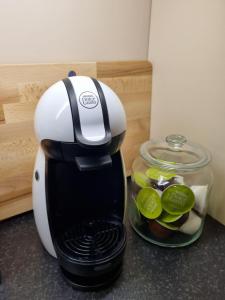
(15, 206)
(107, 69)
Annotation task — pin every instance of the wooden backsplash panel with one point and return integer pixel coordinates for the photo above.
(13, 76)
(20, 89)
(17, 151)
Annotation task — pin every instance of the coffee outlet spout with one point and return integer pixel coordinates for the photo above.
(79, 184)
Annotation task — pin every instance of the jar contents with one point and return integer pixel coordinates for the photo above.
(165, 205)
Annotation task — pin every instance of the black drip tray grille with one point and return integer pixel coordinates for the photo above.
(92, 240)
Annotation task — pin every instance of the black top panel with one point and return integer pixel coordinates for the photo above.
(67, 151)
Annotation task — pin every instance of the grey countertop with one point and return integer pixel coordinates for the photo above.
(150, 272)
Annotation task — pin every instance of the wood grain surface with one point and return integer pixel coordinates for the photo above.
(123, 68)
(21, 86)
(11, 76)
(15, 206)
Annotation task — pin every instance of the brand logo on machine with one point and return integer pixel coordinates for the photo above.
(88, 100)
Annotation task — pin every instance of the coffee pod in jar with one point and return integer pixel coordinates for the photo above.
(160, 179)
(166, 224)
(141, 180)
(175, 220)
(161, 230)
(149, 203)
(177, 199)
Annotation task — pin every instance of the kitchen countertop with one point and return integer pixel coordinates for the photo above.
(150, 272)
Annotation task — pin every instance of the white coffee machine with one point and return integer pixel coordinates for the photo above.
(79, 184)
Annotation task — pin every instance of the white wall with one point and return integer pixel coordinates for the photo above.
(187, 49)
(69, 30)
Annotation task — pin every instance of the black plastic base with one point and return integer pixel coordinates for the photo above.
(90, 253)
(92, 283)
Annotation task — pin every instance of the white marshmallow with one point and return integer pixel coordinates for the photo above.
(179, 179)
(200, 192)
(192, 224)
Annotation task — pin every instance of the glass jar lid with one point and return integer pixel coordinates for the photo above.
(175, 153)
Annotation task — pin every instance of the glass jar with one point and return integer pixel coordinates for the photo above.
(170, 186)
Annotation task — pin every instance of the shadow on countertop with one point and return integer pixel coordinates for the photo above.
(150, 272)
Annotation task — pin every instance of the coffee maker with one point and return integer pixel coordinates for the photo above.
(79, 184)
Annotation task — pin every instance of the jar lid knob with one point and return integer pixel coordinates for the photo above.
(176, 140)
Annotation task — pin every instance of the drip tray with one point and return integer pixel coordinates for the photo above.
(90, 253)
(92, 240)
